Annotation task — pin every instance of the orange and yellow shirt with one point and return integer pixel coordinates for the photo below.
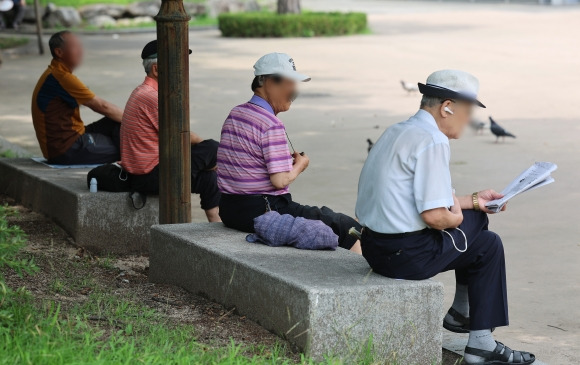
(55, 109)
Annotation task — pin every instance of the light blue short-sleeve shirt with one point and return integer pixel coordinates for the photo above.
(405, 174)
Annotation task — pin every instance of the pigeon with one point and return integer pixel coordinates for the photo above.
(477, 125)
(498, 131)
(409, 87)
(371, 144)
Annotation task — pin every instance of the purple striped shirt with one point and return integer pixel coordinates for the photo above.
(252, 147)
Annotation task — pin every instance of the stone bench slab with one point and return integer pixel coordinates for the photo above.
(102, 222)
(324, 302)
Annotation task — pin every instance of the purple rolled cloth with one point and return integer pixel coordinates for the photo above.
(275, 230)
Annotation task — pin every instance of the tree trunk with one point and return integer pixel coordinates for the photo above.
(38, 26)
(288, 6)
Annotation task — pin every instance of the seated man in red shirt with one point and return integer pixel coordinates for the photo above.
(140, 143)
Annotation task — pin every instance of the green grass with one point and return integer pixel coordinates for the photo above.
(11, 42)
(103, 329)
(48, 337)
(100, 330)
(106, 330)
(7, 153)
(79, 3)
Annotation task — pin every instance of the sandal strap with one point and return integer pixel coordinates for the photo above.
(458, 317)
(494, 355)
(524, 356)
(487, 355)
(507, 352)
(501, 353)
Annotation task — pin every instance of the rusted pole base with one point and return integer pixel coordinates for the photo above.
(174, 140)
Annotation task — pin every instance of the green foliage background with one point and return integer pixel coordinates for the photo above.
(308, 24)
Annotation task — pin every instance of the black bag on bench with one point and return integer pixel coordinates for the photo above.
(110, 177)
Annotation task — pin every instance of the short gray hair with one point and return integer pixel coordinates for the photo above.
(430, 101)
(148, 64)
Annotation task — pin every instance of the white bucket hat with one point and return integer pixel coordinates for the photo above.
(278, 64)
(452, 84)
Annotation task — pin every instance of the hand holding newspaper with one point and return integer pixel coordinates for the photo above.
(534, 177)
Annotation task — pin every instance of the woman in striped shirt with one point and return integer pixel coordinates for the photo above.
(255, 166)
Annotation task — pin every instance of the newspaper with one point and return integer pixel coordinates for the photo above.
(539, 174)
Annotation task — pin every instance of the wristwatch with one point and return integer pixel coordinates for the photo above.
(475, 201)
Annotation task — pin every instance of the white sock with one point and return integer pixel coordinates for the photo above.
(483, 340)
(460, 303)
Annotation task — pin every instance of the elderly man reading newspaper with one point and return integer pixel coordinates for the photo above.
(415, 227)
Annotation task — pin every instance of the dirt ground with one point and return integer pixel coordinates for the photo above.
(57, 256)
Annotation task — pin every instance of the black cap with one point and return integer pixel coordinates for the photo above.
(150, 49)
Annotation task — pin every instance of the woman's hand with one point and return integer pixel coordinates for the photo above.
(485, 196)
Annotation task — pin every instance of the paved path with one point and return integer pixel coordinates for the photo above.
(527, 60)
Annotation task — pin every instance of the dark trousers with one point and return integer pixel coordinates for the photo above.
(203, 177)
(424, 255)
(99, 145)
(239, 211)
(17, 16)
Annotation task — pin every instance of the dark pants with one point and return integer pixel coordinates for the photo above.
(239, 211)
(424, 255)
(203, 178)
(17, 14)
(99, 145)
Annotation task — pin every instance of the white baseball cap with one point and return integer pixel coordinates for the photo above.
(6, 5)
(278, 64)
(452, 84)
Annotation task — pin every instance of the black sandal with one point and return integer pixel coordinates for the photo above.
(501, 355)
(458, 317)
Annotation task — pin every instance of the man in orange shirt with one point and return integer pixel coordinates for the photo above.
(56, 100)
(140, 143)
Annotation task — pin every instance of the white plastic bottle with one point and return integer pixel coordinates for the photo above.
(93, 188)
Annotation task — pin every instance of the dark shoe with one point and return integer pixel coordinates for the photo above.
(463, 327)
(501, 355)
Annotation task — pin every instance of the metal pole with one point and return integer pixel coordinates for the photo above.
(174, 139)
(38, 26)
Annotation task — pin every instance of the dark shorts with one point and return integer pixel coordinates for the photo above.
(239, 211)
(203, 178)
(99, 145)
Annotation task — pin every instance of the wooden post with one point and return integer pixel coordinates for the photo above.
(174, 137)
(38, 26)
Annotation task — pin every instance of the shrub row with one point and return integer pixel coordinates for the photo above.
(260, 25)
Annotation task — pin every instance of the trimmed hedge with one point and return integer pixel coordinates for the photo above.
(261, 25)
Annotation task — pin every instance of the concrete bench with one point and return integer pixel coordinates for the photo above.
(101, 222)
(324, 302)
